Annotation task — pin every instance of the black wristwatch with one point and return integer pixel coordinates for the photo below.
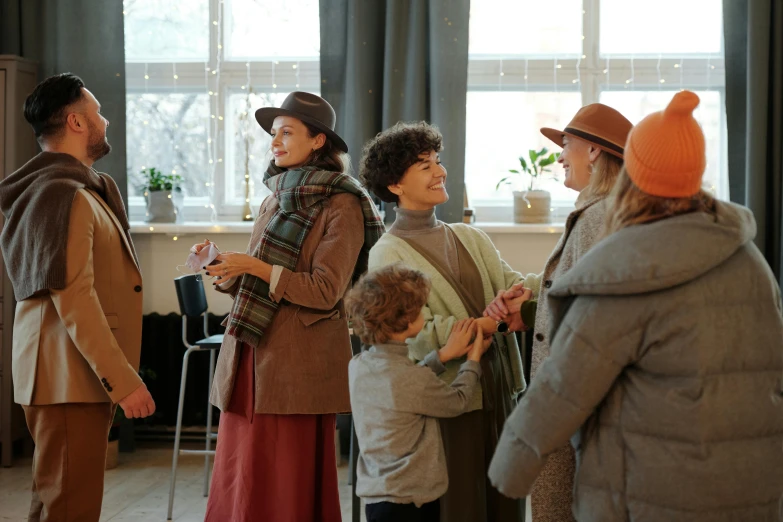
(502, 327)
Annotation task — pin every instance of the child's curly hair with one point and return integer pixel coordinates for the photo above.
(385, 301)
(387, 157)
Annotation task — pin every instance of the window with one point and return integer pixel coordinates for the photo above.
(171, 137)
(489, 141)
(196, 71)
(635, 105)
(157, 31)
(532, 68)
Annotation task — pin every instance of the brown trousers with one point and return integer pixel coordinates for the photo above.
(69, 460)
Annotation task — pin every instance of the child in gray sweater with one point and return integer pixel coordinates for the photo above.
(395, 403)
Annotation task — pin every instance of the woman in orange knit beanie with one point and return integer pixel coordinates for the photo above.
(666, 355)
(664, 164)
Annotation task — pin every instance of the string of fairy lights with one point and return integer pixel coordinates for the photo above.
(220, 177)
(532, 68)
(607, 82)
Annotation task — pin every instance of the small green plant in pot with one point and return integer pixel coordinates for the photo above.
(159, 192)
(531, 205)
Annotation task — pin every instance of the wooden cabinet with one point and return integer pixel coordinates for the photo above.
(18, 77)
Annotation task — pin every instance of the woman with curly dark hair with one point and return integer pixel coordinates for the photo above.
(402, 166)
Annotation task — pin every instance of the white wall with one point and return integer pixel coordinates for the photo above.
(159, 256)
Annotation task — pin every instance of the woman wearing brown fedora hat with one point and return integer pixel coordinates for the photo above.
(593, 145)
(282, 374)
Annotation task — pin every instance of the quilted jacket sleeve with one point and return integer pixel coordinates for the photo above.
(568, 387)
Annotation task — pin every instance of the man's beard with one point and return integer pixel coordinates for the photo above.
(97, 146)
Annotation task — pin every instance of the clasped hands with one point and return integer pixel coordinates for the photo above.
(467, 338)
(507, 306)
(474, 336)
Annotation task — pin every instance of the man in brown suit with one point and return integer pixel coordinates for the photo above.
(77, 332)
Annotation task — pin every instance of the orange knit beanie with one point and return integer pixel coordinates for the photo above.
(665, 152)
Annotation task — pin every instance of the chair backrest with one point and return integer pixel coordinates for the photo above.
(190, 294)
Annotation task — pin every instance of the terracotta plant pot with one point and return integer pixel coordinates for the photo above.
(532, 206)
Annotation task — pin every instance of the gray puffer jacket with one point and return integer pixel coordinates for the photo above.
(665, 369)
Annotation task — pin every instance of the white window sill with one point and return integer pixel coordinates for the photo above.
(501, 227)
(246, 227)
(192, 227)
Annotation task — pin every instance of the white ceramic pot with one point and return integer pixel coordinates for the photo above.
(532, 206)
(160, 207)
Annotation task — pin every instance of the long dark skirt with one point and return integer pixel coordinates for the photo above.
(470, 441)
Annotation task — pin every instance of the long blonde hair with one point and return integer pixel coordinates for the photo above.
(630, 206)
(603, 173)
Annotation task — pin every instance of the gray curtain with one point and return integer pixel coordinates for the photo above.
(384, 61)
(86, 38)
(753, 39)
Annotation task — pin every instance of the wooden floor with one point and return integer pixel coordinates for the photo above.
(138, 489)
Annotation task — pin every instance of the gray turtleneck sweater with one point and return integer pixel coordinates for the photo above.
(395, 404)
(428, 232)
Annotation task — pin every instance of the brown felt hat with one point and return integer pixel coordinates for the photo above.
(308, 108)
(598, 124)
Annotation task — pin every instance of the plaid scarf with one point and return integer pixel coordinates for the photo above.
(300, 194)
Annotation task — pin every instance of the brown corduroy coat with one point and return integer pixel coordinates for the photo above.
(301, 364)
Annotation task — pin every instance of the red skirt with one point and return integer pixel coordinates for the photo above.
(272, 468)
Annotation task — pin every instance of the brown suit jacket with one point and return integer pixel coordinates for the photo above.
(82, 343)
(301, 364)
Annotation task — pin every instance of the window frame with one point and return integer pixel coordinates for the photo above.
(536, 73)
(196, 76)
(698, 72)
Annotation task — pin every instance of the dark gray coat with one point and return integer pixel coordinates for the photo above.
(666, 363)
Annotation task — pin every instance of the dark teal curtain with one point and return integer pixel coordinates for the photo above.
(753, 39)
(86, 38)
(384, 61)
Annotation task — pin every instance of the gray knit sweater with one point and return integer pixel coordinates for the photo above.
(395, 405)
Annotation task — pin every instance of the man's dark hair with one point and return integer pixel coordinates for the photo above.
(45, 108)
(387, 157)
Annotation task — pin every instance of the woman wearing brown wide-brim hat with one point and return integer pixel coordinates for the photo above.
(282, 374)
(592, 158)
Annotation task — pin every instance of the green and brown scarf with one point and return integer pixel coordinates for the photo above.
(300, 194)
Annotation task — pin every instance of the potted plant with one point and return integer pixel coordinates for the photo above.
(159, 189)
(531, 205)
